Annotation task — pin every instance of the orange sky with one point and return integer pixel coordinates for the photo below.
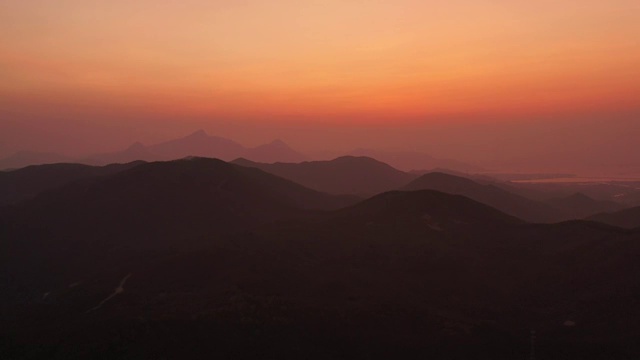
(95, 75)
(362, 60)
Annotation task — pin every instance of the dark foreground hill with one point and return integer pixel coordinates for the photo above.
(401, 275)
(628, 218)
(489, 194)
(345, 175)
(194, 195)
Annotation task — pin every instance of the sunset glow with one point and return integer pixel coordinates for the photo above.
(362, 60)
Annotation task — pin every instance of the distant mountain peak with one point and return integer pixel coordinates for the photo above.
(278, 143)
(199, 134)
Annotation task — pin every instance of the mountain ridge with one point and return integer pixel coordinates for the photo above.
(363, 176)
(490, 194)
(199, 144)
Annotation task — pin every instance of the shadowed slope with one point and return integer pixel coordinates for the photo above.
(85, 226)
(427, 204)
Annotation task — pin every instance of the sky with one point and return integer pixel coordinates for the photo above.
(461, 78)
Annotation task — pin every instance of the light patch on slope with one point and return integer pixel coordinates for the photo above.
(118, 290)
(432, 224)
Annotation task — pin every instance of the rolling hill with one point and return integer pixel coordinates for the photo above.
(491, 195)
(344, 175)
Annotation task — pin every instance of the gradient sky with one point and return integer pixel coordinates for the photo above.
(352, 63)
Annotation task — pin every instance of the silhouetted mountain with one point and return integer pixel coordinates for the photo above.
(25, 183)
(180, 197)
(413, 160)
(26, 158)
(627, 218)
(580, 205)
(275, 151)
(491, 195)
(410, 274)
(344, 175)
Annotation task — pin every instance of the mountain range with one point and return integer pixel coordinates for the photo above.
(199, 144)
(489, 194)
(200, 257)
(358, 176)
